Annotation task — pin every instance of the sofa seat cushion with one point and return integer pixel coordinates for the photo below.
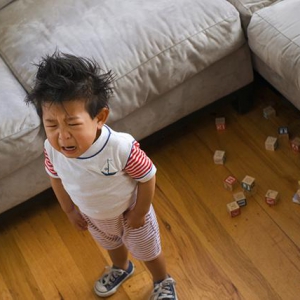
(248, 7)
(21, 140)
(151, 47)
(274, 37)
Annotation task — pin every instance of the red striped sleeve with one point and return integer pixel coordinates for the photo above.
(138, 164)
(48, 165)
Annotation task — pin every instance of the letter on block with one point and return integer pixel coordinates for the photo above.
(283, 131)
(219, 157)
(296, 198)
(229, 183)
(233, 209)
(240, 199)
(295, 144)
(220, 123)
(248, 183)
(271, 197)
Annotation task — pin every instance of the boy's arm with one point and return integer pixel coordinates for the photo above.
(67, 204)
(62, 196)
(145, 193)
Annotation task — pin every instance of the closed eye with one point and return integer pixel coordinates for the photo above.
(74, 124)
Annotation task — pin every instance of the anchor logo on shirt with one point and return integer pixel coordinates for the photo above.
(108, 168)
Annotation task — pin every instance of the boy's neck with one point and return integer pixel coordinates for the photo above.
(97, 135)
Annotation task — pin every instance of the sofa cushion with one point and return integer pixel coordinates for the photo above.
(248, 7)
(274, 37)
(151, 50)
(3, 3)
(20, 138)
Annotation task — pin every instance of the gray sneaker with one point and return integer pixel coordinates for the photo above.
(164, 290)
(110, 281)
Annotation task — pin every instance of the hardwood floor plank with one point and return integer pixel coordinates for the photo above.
(21, 285)
(4, 290)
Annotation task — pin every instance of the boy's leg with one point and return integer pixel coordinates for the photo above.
(119, 257)
(144, 244)
(157, 268)
(122, 268)
(164, 285)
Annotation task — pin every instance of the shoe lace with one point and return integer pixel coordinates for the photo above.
(111, 275)
(163, 290)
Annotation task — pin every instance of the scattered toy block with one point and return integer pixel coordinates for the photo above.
(295, 144)
(240, 199)
(283, 131)
(219, 157)
(220, 123)
(271, 143)
(271, 197)
(230, 182)
(296, 198)
(248, 183)
(233, 209)
(268, 112)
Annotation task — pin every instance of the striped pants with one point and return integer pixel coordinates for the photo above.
(143, 243)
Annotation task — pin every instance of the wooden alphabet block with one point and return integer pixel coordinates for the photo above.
(233, 209)
(271, 143)
(269, 112)
(240, 199)
(220, 123)
(271, 197)
(248, 183)
(295, 144)
(296, 198)
(230, 183)
(283, 131)
(219, 157)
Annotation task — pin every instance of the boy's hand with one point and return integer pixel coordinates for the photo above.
(77, 220)
(133, 220)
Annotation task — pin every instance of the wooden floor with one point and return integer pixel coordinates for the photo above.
(211, 255)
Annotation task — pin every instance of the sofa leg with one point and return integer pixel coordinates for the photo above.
(243, 99)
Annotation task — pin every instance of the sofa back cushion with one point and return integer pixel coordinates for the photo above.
(151, 46)
(21, 137)
(274, 37)
(248, 7)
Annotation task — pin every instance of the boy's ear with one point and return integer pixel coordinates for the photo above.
(102, 116)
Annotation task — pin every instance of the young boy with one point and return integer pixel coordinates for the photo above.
(104, 173)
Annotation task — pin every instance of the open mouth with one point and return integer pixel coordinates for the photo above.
(69, 148)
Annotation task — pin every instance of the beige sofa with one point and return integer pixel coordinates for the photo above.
(170, 58)
(273, 31)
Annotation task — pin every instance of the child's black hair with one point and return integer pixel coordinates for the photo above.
(65, 77)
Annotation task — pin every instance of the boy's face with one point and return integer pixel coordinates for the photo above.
(70, 129)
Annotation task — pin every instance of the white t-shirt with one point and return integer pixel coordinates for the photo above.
(103, 181)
